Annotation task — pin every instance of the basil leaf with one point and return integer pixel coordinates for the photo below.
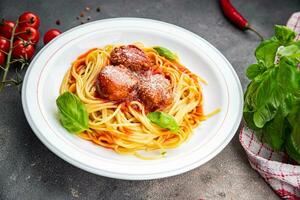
(254, 70)
(263, 115)
(162, 51)
(288, 75)
(295, 136)
(268, 91)
(291, 51)
(284, 34)
(164, 120)
(264, 96)
(72, 113)
(248, 117)
(266, 52)
(294, 115)
(249, 97)
(288, 104)
(274, 132)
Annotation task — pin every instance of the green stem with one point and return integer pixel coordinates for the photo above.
(7, 66)
(257, 33)
(16, 60)
(3, 52)
(12, 82)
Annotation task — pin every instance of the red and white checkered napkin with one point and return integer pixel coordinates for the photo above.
(283, 178)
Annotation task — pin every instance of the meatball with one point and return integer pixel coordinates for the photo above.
(131, 57)
(155, 91)
(116, 82)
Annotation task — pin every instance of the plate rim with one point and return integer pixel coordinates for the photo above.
(126, 176)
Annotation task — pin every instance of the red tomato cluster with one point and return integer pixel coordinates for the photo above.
(25, 37)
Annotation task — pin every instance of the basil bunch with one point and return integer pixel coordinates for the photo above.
(272, 99)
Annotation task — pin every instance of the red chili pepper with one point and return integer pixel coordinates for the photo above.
(236, 18)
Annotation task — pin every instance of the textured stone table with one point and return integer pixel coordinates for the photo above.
(28, 170)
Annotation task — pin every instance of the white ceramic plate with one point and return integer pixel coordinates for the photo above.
(46, 71)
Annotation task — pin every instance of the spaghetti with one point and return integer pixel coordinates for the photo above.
(124, 127)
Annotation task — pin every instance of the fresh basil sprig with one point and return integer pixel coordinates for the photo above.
(164, 120)
(162, 51)
(272, 99)
(72, 113)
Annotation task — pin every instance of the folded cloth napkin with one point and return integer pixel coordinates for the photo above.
(283, 178)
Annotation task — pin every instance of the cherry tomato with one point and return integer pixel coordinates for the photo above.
(23, 49)
(29, 19)
(6, 28)
(50, 34)
(2, 58)
(4, 44)
(28, 34)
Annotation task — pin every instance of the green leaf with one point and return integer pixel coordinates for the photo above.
(284, 34)
(162, 51)
(291, 149)
(266, 52)
(72, 113)
(267, 91)
(288, 104)
(274, 132)
(248, 117)
(294, 115)
(248, 96)
(263, 115)
(262, 99)
(163, 120)
(288, 76)
(295, 136)
(291, 51)
(254, 70)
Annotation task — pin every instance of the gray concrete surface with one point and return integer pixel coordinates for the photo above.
(28, 170)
